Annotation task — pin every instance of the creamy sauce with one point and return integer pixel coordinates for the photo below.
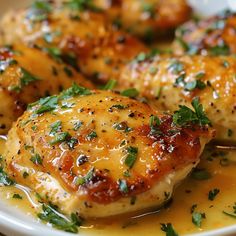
(178, 213)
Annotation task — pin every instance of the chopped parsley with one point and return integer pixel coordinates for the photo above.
(17, 196)
(132, 93)
(52, 216)
(212, 194)
(55, 127)
(131, 156)
(219, 50)
(154, 125)
(191, 85)
(75, 90)
(92, 135)
(123, 186)
(185, 115)
(36, 159)
(85, 179)
(111, 84)
(82, 5)
(197, 218)
(168, 229)
(176, 67)
(77, 125)
(200, 174)
(60, 137)
(4, 179)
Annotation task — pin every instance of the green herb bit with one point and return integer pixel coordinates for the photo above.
(197, 218)
(77, 125)
(55, 218)
(60, 137)
(46, 104)
(92, 135)
(200, 174)
(212, 194)
(230, 132)
(190, 86)
(4, 179)
(220, 50)
(159, 92)
(200, 75)
(82, 5)
(176, 67)
(153, 70)
(17, 196)
(27, 78)
(85, 179)
(118, 106)
(149, 8)
(132, 93)
(168, 229)
(55, 127)
(71, 143)
(55, 53)
(131, 157)
(75, 90)
(185, 115)
(36, 159)
(25, 175)
(123, 186)
(111, 84)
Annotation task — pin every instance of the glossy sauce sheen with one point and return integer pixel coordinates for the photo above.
(190, 192)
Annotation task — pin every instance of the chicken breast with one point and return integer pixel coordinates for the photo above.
(100, 154)
(169, 81)
(212, 36)
(26, 74)
(79, 34)
(146, 18)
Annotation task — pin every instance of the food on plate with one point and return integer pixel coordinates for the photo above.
(74, 31)
(99, 153)
(211, 36)
(146, 18)
(169, 81)
(26, 74)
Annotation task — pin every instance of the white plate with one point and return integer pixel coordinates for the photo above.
(15, 223)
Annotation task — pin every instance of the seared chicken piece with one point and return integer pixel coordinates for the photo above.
(213, 36)
(26, 74)
(146, 18)
(77, 33)
(99, 153)
(170, 81)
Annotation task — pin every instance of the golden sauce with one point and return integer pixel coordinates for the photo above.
(178, 213)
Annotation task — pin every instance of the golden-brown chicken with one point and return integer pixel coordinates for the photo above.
(146, 18)
(77, 33)
(26, 74)
(99, 153)
(213, 36)
(170, 81)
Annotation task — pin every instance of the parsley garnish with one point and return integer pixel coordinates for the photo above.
(131, 156)
(132, 93)
(60, 137)
(168, 229)
(154, 125)
(53, 217)
(36, 159)
(82, 5)
(17, 196)
(85, 179)
(197, 218)
(55, 127)
(77, 125)
(219, 50)
(91, 135)
(111, 84)
(4, 179)
(75, 90)
(185, 115)
(212, 194)
(47, 104)
(200, 174)
(176, 67)
(123, 186)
